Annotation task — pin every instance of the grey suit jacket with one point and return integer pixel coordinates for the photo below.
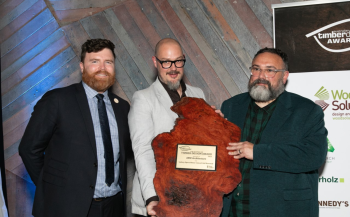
(149, 116)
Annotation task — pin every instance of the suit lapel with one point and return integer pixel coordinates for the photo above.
(238, 112)
(164, 98)
(120, 120)
(85, 112)
(278, 118)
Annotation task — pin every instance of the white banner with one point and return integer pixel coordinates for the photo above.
(331, 91)
(316, 37)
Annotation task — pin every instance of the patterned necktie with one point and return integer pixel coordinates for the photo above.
(106, 137)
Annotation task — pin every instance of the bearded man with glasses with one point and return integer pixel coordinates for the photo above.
(283, 144)
(150, 115)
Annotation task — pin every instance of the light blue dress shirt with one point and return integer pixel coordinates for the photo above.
(101, 188)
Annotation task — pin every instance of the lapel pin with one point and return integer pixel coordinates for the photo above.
(116, 100)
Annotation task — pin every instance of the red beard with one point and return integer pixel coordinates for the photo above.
(100, 85)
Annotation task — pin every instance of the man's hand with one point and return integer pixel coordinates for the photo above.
(217, 111)
(150, 208)
(241, 150)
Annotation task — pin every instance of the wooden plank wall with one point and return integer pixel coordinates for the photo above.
(40, 48)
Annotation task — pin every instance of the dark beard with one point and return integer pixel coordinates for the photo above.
(98, 85)
(261, 94)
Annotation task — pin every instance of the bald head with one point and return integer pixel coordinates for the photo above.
(165, 42)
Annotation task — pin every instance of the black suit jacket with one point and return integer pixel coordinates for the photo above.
(59, 151)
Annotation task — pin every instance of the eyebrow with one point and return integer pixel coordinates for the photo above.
(178, 58)
(100, 59)
(266, 66)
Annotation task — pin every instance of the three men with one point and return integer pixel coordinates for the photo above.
(283, 144)
(77, 141)
(150, 115)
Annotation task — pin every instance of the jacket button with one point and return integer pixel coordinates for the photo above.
(91, 186)
(95, 164)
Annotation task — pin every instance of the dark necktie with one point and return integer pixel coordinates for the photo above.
(106, 137)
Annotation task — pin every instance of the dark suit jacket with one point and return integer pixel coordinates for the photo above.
(59, 151)
(284, 177)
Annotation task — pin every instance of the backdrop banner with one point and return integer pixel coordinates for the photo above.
(316, 37)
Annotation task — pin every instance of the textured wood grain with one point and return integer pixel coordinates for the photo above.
(247, 40)
(252, 23)
(76, 35)
(211, 56)
(35, 63)
(72, 4)
(22, 20)
(268, 3)
(143, 23)
(13, 162)
(33, 26)
(134, 77)
(228, 36)
(216, 43)
(39, 88)
(91, 28)
(263, 14)
(41, 74)
(66, 17)
(136, 36)
(8, 6)
(14, 135)
(8, 18)
(21, 61)
(29, 43)
(130, 46)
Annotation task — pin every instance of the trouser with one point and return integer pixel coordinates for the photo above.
(107, 207)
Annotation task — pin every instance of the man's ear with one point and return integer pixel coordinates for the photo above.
(154, 61)
(81, 67)
(285, 76)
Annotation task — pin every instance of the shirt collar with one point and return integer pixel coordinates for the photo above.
(268, 108)
(91, 93)
(182, 83)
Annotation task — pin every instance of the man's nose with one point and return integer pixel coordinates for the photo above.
(173, 67)
(262, 74)
(102, 66)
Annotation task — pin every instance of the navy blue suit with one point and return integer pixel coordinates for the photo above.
(59, 151)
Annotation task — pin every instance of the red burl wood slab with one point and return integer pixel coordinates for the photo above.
(194, 193)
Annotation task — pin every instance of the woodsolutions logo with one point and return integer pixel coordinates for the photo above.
(340, 104)
(336, 37)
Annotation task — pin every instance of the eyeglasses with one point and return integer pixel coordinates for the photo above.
(167, 63)
(269, 73)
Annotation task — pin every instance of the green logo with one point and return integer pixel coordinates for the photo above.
(330, 146)
(331, 180)
(322, 94)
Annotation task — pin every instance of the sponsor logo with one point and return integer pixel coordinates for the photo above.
(330, 146)
(331, 180)
(332, 37)
(333, 204)
(340, 104)
(323, 95)
(330, 159)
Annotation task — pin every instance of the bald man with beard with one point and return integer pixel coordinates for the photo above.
(150, 115)
(77, 142)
